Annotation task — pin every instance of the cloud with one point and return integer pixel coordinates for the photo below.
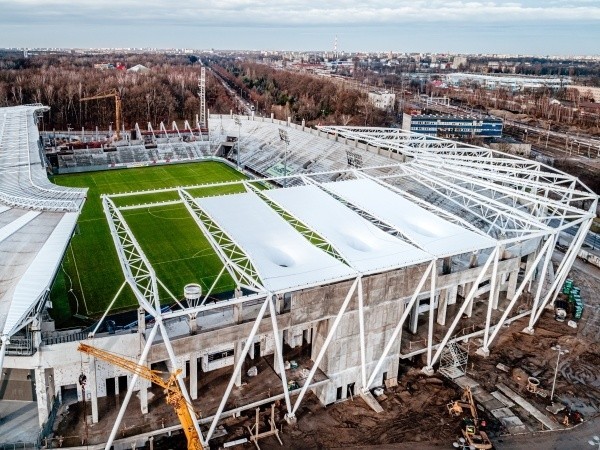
(284, 13)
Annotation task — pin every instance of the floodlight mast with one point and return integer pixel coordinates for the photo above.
(238, 122)
(283, 135)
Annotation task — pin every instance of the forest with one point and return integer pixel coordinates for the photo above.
(168, 91)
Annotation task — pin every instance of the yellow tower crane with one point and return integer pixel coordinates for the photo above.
(175, 397)
(112, 93)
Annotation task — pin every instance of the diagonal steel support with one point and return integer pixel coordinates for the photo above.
(325, 345)
(138, 272)
(279, 354)
(463, 307)
(237, 262)
(518, 293)
(238, 368)
(398, 328)
(134, 379)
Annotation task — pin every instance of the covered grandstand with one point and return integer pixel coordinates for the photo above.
(382, 245)
(37, 219)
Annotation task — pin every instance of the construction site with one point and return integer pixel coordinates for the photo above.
(362, 287)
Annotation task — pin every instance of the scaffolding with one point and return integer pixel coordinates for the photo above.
(454, 360)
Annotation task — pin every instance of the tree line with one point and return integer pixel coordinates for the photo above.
(314, 99)
(167, 92)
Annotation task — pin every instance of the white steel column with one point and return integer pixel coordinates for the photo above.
(237, 369)
(528, 276)
(398, 328)
(194, 376)
(2, 351)
(182, 386)
(279, 353)
(464, 306)
(134, 379)
(42, 395)
(332, 331)
(564, 267)
(93, 389)
(541, 281)
(429, 367)
(361, 331)
(491, 304)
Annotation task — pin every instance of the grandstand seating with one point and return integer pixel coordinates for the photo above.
(23, 179)
(135, 154)
(261, 148)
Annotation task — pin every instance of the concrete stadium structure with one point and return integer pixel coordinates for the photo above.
(379, 245)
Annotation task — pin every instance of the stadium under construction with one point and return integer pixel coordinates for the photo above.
(350, 248)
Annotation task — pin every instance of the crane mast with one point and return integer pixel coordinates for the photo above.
(175, 397)
(118, 107)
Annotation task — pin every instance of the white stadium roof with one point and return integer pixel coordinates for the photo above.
(283, 258)
(426, 230)
(366, 247)
(37, 219)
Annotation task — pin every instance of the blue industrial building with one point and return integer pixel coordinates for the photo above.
(452, 126)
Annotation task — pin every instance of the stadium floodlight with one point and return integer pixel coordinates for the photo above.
(238, 122)
(283, 135)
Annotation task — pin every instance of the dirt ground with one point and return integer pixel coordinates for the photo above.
(415, 410)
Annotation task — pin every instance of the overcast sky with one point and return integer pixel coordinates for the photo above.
(545, 27)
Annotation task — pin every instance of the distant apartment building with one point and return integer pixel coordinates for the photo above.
(382, 100)
(459, 61)
(452, 126)
(511, 82)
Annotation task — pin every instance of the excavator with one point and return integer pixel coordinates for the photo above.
(474, 436)
(118, 111)
(175, 397)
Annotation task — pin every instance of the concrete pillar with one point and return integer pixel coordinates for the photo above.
(466, 289)
(143, 395)
(442, 306)
(42, 395)
(237, 352)
(473, 260)
(272, 116)
(530, 261)
(279, 304)
(251, 351)
(193, 377)
(275, 365)
(494, 297)
(238, 309)
(193, 323)
(512, 284)
(141, 320)
(447, 265)
(92, 387)
(313, 351)
(116, 385)
(452, 293)
(414, 318)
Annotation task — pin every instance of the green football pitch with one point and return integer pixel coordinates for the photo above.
(91, 275)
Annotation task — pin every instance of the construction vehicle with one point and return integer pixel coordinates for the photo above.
(175, 397)
(474, 436)
(118, 111)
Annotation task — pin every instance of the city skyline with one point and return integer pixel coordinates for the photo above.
(528, 27)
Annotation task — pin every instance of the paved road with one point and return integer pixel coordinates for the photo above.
(592, 240)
